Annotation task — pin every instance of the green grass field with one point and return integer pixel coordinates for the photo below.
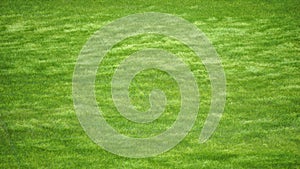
(257, 41)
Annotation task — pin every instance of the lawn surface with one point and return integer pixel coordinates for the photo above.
(257, 41)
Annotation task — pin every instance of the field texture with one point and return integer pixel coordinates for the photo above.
(257, 41)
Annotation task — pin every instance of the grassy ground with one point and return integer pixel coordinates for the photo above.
(258, 42)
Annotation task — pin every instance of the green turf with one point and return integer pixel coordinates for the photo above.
(258, 42)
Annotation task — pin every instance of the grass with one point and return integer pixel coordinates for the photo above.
(258, 42)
